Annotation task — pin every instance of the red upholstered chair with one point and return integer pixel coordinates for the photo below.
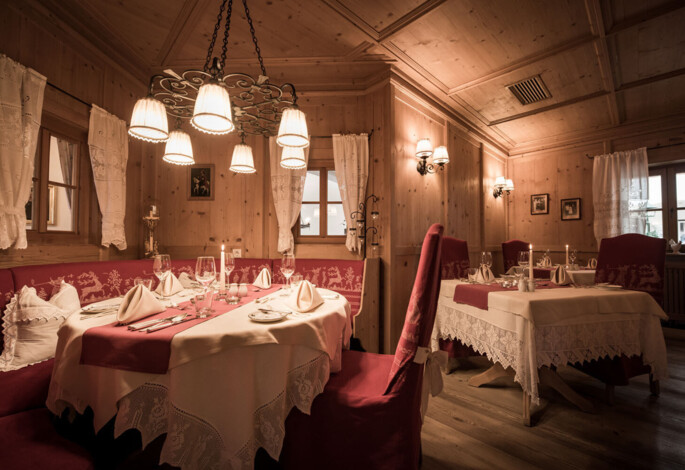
(637, 263)
(369, 414)
(510, 252)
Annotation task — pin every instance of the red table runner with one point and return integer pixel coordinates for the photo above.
(118, 347)
(476, 295)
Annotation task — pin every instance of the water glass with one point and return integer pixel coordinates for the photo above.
(141, 281)
(161, 266)
(295, 280)
(486, 259)
(288, 266)
(203, 303)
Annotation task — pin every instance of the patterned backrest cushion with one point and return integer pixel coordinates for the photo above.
(634, 261)
(418, 322)
(247, 269)
(345, 277)
(510, 252)
(454, 263)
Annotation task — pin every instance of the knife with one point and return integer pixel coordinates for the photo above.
(167, 325)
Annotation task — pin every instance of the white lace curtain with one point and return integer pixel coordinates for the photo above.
(108, 145)
(619, 191)
(21, 106)
(351, 155)
(286, 186)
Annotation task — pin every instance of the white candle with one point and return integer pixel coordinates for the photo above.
(566, 254)
(222, 271)
(530, 262)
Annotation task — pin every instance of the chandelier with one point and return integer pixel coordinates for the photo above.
(217, 103)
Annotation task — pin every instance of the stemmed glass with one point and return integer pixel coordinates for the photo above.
(229, 266)
(486, 259)
(205, 273)
(524, 259)
(572, 257)
(161, 266)
(288, 267)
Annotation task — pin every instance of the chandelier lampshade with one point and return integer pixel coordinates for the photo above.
(424, 148)
(242, 160)
(440, 156)
(292, 158)
(149, 121)
(292, 131)
(212, 112)
(178, 149)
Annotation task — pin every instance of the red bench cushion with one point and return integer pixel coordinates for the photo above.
(342, 276)
(6, 288)
(26, 388)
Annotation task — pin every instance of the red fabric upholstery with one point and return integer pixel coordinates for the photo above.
(29, 441)
(634, 261)
(455, 258)
(6, 289)
(342, 276)
(369, 414)
(26, 388)
(247, 269)
(510, 252)
(637, 263)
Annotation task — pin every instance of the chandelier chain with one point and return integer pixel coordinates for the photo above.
(224, 47)
(208, 60)
(254, 38)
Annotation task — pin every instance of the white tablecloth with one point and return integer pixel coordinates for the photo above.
(582, 277)
(218, 402)
(548, 327)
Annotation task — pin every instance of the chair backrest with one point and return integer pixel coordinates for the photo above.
(418, 322)
(454, 261)
(510, 252)
(634, 261)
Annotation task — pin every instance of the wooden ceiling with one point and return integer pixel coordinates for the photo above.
(606, 63)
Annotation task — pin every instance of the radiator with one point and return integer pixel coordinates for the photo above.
(674, 295)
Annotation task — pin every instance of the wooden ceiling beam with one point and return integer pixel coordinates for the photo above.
(652, 79)
(645, 16)
(354, 19)
(181, 29)
(426, 7)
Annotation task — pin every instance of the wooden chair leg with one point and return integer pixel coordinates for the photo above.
(526, 409)
(609, 395)
(654, 386)
(489, 375)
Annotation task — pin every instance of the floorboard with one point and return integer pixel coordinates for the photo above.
(480, 428)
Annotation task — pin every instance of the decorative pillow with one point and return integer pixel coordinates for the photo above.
(30, 325)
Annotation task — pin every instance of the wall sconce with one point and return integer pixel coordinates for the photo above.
(361, 229)
(501, 185)
(424, 150)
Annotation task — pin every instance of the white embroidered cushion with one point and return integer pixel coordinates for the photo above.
(30, 325)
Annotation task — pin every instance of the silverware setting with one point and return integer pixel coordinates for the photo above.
(271, 310)
(175, 321)
(148, 323)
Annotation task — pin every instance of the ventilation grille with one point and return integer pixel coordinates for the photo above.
(531, 90)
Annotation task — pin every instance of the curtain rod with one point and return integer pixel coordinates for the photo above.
(650, 148)
(68, 94)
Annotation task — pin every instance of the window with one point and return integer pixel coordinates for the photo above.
(321, 216)
(54, 200)
(666, 206)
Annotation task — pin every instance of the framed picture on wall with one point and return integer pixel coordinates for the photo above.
(570, 209)
(539, 204)
(201, 182)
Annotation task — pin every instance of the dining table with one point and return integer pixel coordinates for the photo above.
(219, 388)
(529, 334)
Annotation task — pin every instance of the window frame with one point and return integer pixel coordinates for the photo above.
(323, 167)
(669, 202)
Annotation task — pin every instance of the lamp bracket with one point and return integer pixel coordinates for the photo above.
(424, 168)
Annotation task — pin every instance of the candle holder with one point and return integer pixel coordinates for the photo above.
(361, 229)
(151, 246)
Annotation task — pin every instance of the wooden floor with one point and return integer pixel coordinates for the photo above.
(467, 427)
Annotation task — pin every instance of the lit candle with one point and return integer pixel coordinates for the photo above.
(566, 254)
(530, 262)
(222, 271)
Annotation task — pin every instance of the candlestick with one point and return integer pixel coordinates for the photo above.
(566, 254)
(530, 262)
(222, 271)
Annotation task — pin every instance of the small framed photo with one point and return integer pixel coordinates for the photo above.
(570, 209)
(539, 204)
(201, 182)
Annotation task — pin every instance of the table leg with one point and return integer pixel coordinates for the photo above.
(494, 372)
(552, 379)
(526, 409)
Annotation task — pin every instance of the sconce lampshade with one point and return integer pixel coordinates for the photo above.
(149, 121)
(242, 160)
(178, 149)
(440, 156)
(292, 132)
(212, 112)
(292, 158)
(509, 186)
(500, 182)
(424, 148)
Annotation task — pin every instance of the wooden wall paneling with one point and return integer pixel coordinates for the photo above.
(494, 222)
(366, 325)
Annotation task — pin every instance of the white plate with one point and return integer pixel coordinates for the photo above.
(610, 287)
(266, 317)
(100, 307)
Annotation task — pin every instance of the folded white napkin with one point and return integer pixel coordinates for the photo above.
(592, 263)
(138, 303)
(484, 274)
(187, 282)
(263, 280)
(305, 297)
(546, 262)
(560, 276)
(675, 247)
(169, 286)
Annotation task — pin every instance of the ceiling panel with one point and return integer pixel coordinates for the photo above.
(587, 115)
(569, 75)
(460, 41)
(380, 14)
(617, 11)
(652, 48)
(292, 28)
(655, 100)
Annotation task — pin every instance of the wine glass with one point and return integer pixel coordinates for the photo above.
(229, 266)
(205, 273)
(486, 259)
(572, 257)
(161, 266)
(524, 260)
(288, 267)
